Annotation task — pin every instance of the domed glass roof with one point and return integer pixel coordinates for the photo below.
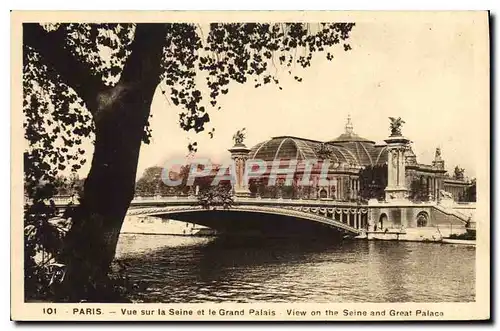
(348, 148)
(367, 153)
(365, 150)
(349, 135)
(295, 148)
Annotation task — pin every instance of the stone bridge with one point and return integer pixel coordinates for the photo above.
(300, 216)
(254, 215)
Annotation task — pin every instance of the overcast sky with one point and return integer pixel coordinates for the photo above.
(431, 70)
(426, 72)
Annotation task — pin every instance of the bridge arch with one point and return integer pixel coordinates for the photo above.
(251, 218)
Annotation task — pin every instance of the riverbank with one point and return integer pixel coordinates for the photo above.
(424, 234)
(152, 226)
(459, 241)
(157, 226)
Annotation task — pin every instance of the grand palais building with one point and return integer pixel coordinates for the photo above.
(358, 169)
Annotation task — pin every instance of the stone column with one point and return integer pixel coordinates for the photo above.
(427, 187)
(436, 189)
(353, 190)
(431, 189)
(339, 188)
(396, 168)
(239, 155)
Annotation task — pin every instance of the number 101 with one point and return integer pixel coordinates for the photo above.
(49, 311)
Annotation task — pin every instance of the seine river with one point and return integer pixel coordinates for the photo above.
(194, 269)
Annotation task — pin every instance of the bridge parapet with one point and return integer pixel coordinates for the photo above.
(349, 218)
(297, 202)
(183, 200)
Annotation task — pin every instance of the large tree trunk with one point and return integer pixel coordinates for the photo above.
(109, 188)
(120, 118)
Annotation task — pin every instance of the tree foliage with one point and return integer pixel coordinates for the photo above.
(373, 181)
(57, 114)
(151, 182)
(212, 197)
(469, 194)
(419, 190)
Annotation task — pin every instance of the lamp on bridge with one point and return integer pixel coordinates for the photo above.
(239, 155)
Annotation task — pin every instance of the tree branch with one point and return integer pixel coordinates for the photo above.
(50, 45)
(143, 65)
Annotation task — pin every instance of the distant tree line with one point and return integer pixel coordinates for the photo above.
(62, 185)
(151, 182)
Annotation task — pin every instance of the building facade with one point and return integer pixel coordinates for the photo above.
(358, 168)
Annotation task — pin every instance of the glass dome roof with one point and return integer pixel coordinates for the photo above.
(348, 148)
(365, 150)
(295, 148)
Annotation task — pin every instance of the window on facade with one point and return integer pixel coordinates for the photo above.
(422, 220)
(323, 194)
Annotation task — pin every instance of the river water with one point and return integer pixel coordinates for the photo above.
(193, 269)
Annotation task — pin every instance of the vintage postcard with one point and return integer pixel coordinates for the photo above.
(267, 166)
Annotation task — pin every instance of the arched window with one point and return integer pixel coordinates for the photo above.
(382, 220)
(323, 194)
(332, 192)
(422, 219)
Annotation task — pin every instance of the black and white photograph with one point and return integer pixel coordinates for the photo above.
(250, 165)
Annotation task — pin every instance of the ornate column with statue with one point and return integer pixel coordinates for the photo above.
(239, 155)
(438, 166)
(397, 145)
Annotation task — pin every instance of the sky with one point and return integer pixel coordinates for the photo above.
(429, 70)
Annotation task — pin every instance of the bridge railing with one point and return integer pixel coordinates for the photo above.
(58, 199)
(296, 202)
(241, 200)
(145, 200)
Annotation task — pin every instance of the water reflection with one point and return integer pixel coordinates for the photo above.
(188, 269)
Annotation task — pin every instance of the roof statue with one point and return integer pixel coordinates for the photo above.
(239, 137)
(458, 173)
(349, 135)
(395, 126)
(445, 195)
(349, 128)
(437, 156)
(323, 151)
